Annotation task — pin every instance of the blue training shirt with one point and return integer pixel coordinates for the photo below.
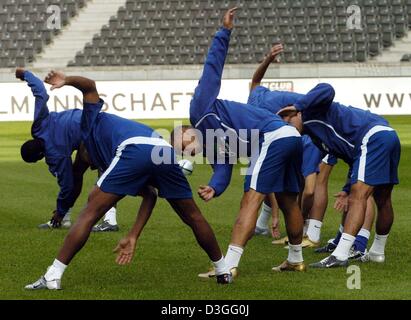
(103, 133)
(237, 120)
(60, 132)
(273, 101)
(333, 127)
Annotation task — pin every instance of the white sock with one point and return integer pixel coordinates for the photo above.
(343, 249)
(378, 246)
(264, 217)
(110, 216)
(306, 223)
(314, 230)
(67, 217)
(55, 271)
(364, 233)
(233, 256)
(220, 267)
(295, 253)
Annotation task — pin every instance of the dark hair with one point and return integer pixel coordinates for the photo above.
(32, 150)
(176, 130)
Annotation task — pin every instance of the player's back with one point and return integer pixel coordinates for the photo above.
(273, 101)
(110, 131)
(65, 128)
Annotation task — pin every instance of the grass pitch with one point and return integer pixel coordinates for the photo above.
(168, 259)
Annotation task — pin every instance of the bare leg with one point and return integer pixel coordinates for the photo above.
(247, 217)
(191, 215)
(98, 203)
(292, 214)
(385, 218)
(320, 201)
(275, 214)
(357, 205)
(369, 214)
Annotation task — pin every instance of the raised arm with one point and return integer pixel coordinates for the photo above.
(70, 179)
(262, 68)
(210, 82)
(39, 92)
(127, 246)
(87, 86)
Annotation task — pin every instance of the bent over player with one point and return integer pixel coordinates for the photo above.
(371, 147)
(131, 156)
(273, 146)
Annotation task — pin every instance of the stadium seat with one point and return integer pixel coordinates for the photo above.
(23, 22)
(312, 30)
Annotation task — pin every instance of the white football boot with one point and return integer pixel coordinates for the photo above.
(42, 283)
(376, 257)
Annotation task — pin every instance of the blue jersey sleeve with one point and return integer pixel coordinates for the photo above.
(41, 97)
(256, 96)
(317, 100)
(89, 116)
(209, 85)
(221, 177)
(62, 169)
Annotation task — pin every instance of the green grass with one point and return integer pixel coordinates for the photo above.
(168, 259)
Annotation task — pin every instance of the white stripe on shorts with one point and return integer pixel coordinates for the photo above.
(134, 140)
(269, 137)
(363, 158)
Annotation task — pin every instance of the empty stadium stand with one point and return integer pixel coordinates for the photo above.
(153, 32)
(23, 28)
(175, 32)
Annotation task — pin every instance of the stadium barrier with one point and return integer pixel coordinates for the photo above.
(170, 99)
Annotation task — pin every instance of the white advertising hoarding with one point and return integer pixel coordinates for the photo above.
(171, 99)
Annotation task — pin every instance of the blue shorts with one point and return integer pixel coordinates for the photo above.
(330, 160)
(378, 159)
(133, 168)
(277, 165)
(311, 157)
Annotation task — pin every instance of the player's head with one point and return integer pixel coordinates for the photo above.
(185, 140)
(293, 117)
(32, 150)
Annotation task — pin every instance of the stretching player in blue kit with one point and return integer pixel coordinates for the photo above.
(56, 135)
(367, 142)
(274, 101)
(242, 130)
(134, 159)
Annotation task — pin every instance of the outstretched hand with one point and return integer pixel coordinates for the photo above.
(125, 250)
(56, 79)
(56, 219)
(206, 193)
(341, 201)
(20, 73)
(228, 20)
(276, 50)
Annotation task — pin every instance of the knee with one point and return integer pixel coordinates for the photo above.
(249, 204)
(245, 224)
